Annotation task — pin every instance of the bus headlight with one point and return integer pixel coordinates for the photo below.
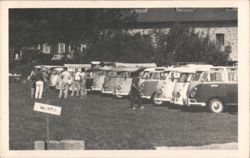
(160, 91)
(178, 94)
(193, 92)
(119, 87)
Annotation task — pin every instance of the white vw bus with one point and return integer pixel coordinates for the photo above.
(166, 86)
(181, 86)
(124, 81)
(99, 78)
(149, 81)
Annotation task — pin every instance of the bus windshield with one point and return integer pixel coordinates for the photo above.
(196, 76)
(164, 75)
(183, 77)
(156, 75)
(124, 74)
(146, 75)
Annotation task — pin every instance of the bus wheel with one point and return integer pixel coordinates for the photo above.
(156, 102)
(216, 106)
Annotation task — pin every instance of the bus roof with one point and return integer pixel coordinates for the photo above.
(146, 65)
(156, 69)
(129, 69)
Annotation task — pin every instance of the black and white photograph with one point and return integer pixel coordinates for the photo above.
(124, 78)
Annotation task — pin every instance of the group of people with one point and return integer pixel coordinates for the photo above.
(77, 80)
(39, 80)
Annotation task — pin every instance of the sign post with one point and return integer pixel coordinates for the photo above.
(47, 129)
(48, 109)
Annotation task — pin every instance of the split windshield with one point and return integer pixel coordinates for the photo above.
(196, 76)
(184, 77)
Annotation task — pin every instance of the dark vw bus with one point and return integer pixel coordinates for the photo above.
(218, 88)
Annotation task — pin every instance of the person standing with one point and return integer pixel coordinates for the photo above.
(83, 83)
(77, 83)
(32, 80)
(45, 79)
(135, 93)
(66, 79)
(39, 84)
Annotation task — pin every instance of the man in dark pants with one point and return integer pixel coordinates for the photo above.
(135, 94)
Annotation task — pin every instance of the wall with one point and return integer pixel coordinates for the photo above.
(230, 36)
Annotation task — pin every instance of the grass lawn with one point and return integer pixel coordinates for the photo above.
(104, 122)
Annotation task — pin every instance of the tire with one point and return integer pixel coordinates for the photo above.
(155, 101)
(216, 106)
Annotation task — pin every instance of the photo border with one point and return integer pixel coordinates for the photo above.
(243, 88)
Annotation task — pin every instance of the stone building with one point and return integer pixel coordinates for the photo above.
(219, 23)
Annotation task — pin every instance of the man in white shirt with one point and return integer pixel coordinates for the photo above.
(77, 86)
(66, 78)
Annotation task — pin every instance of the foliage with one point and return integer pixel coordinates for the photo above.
(29, 27)
(122, 47)
(183, 44)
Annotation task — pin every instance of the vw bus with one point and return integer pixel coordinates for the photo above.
(182, 84)
(91, 74)
(218, 88)
(166, 86)
(99, 78)
(149, 80)
(124, 81)
(110, 80)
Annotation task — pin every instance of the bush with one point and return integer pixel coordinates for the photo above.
(122, 47)
(183, 44)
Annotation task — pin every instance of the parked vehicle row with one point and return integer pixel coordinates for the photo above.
(182, 85)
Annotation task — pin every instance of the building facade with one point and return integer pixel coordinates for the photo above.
(220, 24)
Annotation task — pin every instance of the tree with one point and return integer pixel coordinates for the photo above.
(183, 44)
(29, 27)
(122, 47)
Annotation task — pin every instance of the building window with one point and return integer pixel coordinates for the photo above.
(61, 48)
(46, 48)
(220, 39)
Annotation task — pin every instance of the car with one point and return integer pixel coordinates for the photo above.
(110, 81)
(99, 78)
(217, 89)
(181, 86)
(149, 81)
(124, 81)
(91, 74)
(166, 85)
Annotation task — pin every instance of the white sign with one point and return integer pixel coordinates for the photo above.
(55, 110)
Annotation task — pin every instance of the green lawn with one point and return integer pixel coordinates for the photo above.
(104, 122)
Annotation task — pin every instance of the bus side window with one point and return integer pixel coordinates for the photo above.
(232, 76)
(205, 77)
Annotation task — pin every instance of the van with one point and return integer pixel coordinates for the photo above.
(110, 80)
(149, 81)
(218, 88)
(182, 84)
(123, 83)
(99, 78)
(166, 86)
